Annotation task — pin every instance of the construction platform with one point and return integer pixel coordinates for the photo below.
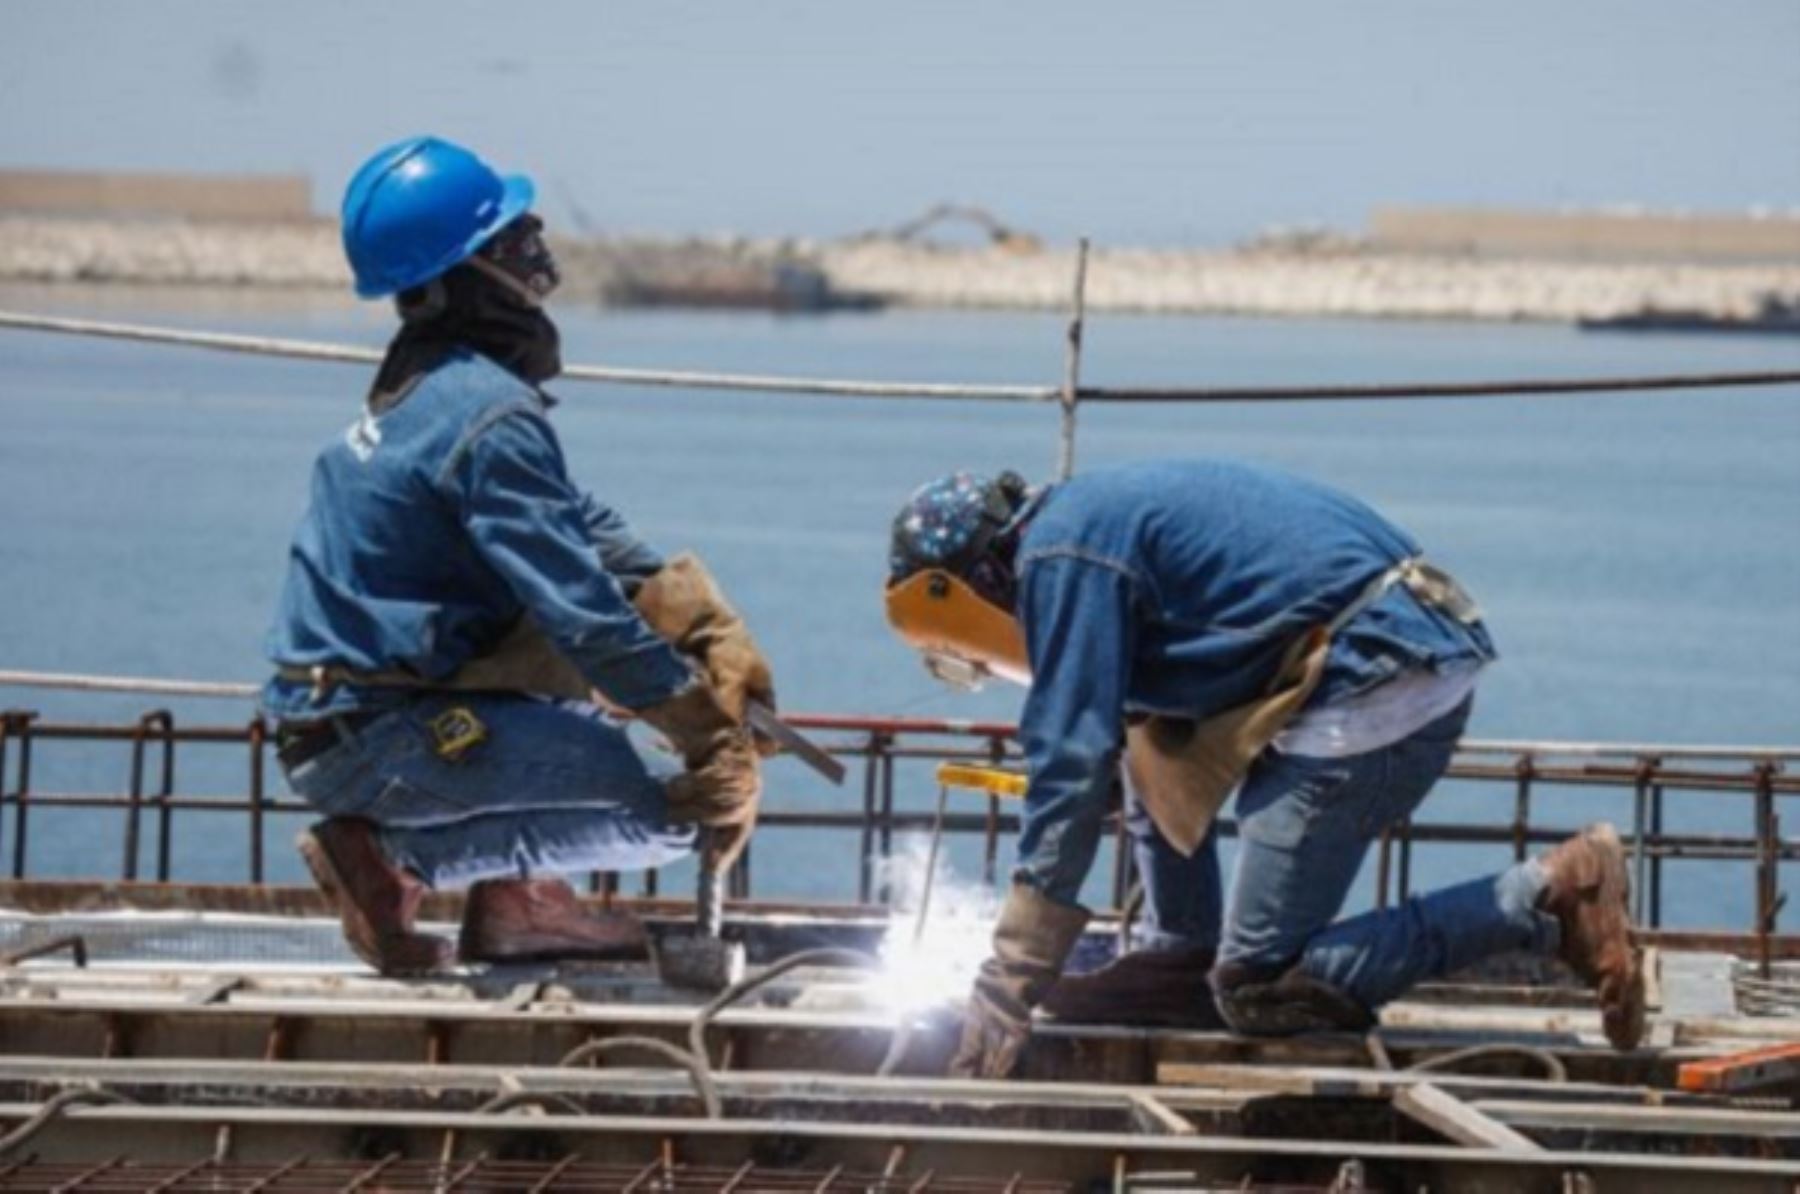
(162, 1035)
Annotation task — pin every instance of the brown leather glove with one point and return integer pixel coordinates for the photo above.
(1031, 939)
(685, 605)
(723, 781)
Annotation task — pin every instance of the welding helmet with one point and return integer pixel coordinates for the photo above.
(420, 206)
(950, 578)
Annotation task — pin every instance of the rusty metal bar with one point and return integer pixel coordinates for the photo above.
(81, 1178)
(1656, 860)
(258, 735)
(20, 723)
(72, 942)
(1640, 828)
(865, 879)
(1652, 774)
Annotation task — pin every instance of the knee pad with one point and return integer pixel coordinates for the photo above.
(1284, 1003)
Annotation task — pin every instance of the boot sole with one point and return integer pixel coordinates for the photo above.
(325, 874)
(529, 957)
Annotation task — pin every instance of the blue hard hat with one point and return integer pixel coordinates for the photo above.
(419, 206)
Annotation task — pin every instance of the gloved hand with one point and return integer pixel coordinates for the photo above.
(1031, 940)
(723, 782)
(685, 605)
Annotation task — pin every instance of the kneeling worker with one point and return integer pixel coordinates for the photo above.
(1220, 626)
(461, 625)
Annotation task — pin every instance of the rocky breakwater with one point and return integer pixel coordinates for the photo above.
(172, 252)
(1332, 277)
(638, 271)
(1337, 280)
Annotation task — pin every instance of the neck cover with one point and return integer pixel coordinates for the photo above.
(491, 304)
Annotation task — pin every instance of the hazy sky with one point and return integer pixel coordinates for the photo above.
(1165, 122)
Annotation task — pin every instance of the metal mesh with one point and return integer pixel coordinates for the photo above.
(200, 938)
(491, 1177)
(1774, 993)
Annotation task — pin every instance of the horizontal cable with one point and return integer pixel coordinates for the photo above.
(312, 350)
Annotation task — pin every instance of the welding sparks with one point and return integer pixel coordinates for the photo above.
(925, 964)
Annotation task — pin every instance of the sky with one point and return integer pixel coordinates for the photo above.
(1136, 123)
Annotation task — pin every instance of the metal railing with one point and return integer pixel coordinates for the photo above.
(1528, 775)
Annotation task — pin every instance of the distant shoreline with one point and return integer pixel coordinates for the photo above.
(1342, 279)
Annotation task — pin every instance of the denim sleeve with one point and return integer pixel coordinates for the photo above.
(1079, 630)
(509, 484)
(622, 553)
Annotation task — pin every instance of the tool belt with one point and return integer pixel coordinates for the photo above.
(525, 660)
(298, 742)
(1183, 769)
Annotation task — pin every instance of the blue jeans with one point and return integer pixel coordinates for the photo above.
(1182, 896)
(1305, 827)
(555, 787)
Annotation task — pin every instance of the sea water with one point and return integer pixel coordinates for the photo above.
(1637, 556)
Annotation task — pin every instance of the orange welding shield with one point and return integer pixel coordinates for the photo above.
(963, 637)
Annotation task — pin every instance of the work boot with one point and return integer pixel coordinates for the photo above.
(1588, 891)
(1150, 988)
(375, 899)
(540, 920)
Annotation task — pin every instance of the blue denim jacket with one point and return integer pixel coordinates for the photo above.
(1174, 587)
(433, 526)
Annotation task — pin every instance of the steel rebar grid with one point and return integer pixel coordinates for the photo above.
(567, 1175)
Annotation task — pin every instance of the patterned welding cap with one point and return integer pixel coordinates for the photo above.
(951, 524)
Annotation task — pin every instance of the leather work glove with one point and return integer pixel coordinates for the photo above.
(685, 605)
(723, 782)
(1031, 939)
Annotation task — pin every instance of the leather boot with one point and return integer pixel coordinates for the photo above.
(1271, 1001)
(376, 899)
(540, 920)
(1150, 988)
(1588, 890)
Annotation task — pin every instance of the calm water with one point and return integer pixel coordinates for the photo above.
(1639, 557)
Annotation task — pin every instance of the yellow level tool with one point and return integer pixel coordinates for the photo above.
(995, 781)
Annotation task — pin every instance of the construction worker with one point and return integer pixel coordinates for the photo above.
(1222, 626)
(463, 630)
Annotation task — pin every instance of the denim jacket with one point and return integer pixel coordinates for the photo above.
(1173, 587)
(433, 526)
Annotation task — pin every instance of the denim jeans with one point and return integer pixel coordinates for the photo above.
(1307, 824)
(556, 786)
(1182, 896)
(1305, 827)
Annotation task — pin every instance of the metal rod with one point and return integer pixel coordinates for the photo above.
(1071, 387)
(931, 861)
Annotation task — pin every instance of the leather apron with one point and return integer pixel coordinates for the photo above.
(1183, 769)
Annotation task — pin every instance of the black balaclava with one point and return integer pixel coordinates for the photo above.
(491, 303)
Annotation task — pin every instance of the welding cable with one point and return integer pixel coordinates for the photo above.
(897, 1047)
(1554, 1069)
(695, 1064)
(53, 1107)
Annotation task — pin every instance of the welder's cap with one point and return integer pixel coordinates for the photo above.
(949, 592)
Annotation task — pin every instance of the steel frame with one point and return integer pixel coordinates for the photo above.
(1653, 774)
